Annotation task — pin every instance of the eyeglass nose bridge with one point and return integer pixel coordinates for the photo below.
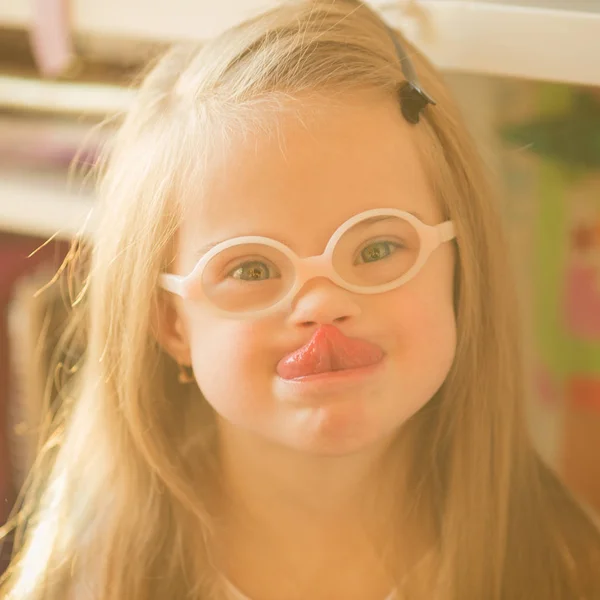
(314, 266)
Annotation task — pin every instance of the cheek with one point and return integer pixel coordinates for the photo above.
(230, 365)
(424, 338)
(429, 336)
(421, 319)
(423, 309)
(426, 318)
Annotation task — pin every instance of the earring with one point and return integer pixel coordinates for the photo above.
(185, 375)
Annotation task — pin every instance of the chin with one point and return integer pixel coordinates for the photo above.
(326, 432)
(329, 448)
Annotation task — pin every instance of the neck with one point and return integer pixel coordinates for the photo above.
(267, 477)
(295, 513)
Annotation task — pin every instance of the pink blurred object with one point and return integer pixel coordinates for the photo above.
(582, 302)
(547, 387)
(48, 143)
(50, 36)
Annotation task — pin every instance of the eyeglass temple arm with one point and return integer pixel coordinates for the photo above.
(446, 231)
(171, 283)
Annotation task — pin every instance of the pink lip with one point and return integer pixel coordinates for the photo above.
(329, 354)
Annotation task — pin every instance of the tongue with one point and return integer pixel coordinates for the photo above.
(328, 350)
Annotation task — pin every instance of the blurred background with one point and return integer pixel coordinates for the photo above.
(526, 75)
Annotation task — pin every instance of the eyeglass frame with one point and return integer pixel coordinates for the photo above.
(320, 265)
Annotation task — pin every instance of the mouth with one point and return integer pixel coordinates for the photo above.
(329, 354)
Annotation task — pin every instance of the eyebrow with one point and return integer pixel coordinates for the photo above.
(200, 252)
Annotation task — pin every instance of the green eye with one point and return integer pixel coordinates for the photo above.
(377, 251)
(252, 271)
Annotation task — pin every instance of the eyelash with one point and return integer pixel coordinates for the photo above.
(270, 269)
(388, 243)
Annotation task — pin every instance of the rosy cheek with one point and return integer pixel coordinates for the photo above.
(229, 361)
(248, 343)
(419, 320)
(228, 352)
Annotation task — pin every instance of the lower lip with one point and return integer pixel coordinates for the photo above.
(332, 381)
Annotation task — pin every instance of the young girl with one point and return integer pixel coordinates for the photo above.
(302, 376)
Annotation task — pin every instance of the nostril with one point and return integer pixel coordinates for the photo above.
(309, 324)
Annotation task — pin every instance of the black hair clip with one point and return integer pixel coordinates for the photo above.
(413, 99)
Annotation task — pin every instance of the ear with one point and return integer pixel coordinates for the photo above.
(168, 326)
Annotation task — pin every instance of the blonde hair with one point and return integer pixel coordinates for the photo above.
(120, 474)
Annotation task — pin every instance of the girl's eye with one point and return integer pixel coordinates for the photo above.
(253, 271)
(377, 251)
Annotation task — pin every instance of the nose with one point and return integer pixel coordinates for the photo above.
(322, 302)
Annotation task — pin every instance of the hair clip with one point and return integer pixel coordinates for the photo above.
(413, 99)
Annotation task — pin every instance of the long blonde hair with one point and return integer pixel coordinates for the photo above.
(116, 505)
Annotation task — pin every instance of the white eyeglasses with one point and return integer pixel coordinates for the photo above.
(252, 276)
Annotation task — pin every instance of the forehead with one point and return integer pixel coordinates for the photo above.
(302, 174)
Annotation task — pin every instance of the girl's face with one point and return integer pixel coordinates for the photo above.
(297, 186)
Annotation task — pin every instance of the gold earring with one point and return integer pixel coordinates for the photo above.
(186, 374)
